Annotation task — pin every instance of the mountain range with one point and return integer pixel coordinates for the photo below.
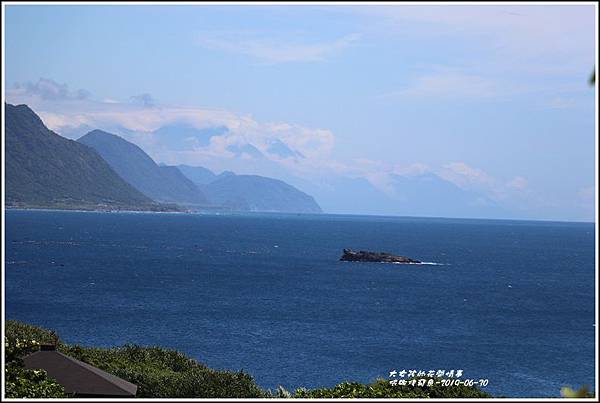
(107, 171)
(197, 187)
(418, 195)
(160, 183)
(104, 171)
(250, 192)
(44, 169)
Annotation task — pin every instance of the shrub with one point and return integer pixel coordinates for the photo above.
(21, 340)
(382, 389)
(572, 393)
(164, 373)
(158, 372)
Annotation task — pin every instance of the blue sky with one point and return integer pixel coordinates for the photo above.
(492, 98)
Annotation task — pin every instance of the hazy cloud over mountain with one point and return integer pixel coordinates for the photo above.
(175, 134)
(221, 140)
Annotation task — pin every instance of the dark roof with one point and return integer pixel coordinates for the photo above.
(77, 377)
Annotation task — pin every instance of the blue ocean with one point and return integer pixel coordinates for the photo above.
(507, 301)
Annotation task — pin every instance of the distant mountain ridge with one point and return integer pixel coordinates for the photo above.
(251, 192)
(198, 175)
(420, 195)
(196, 187)
(44, 169)
(160, 183)
(104, 171)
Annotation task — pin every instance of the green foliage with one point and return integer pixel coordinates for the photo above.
(165, 373)
(162, 372)
(280, 393)
(21, 382)
(20, 340)
(571, 393)
(382, 389)
(23, 331)
(158, 372)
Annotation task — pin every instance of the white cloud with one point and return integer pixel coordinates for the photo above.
(411, 170)
(561, 103)
(478, 180)
(145, 100)
(492, 51)
(48, 89)
(587, 193)
(518, 183)
(587, 200)
(448, 84)
(466, 176)
(540, 38)
(136, 121)
(266, 48)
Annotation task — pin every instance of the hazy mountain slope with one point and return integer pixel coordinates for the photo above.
(425, 195)
(198, 175)
(344, 195)
(251, 192)
(165, 184)
(45, 169)
(430, 195)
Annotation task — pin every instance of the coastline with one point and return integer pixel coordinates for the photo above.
(65, 210)
(334, 216)
(83, 209)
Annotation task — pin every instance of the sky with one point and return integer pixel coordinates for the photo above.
(491, 98)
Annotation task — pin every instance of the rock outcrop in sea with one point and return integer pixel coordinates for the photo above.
(379, 257)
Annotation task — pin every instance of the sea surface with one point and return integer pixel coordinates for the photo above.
(507, 301)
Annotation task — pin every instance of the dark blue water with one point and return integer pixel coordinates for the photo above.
(513, 301)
